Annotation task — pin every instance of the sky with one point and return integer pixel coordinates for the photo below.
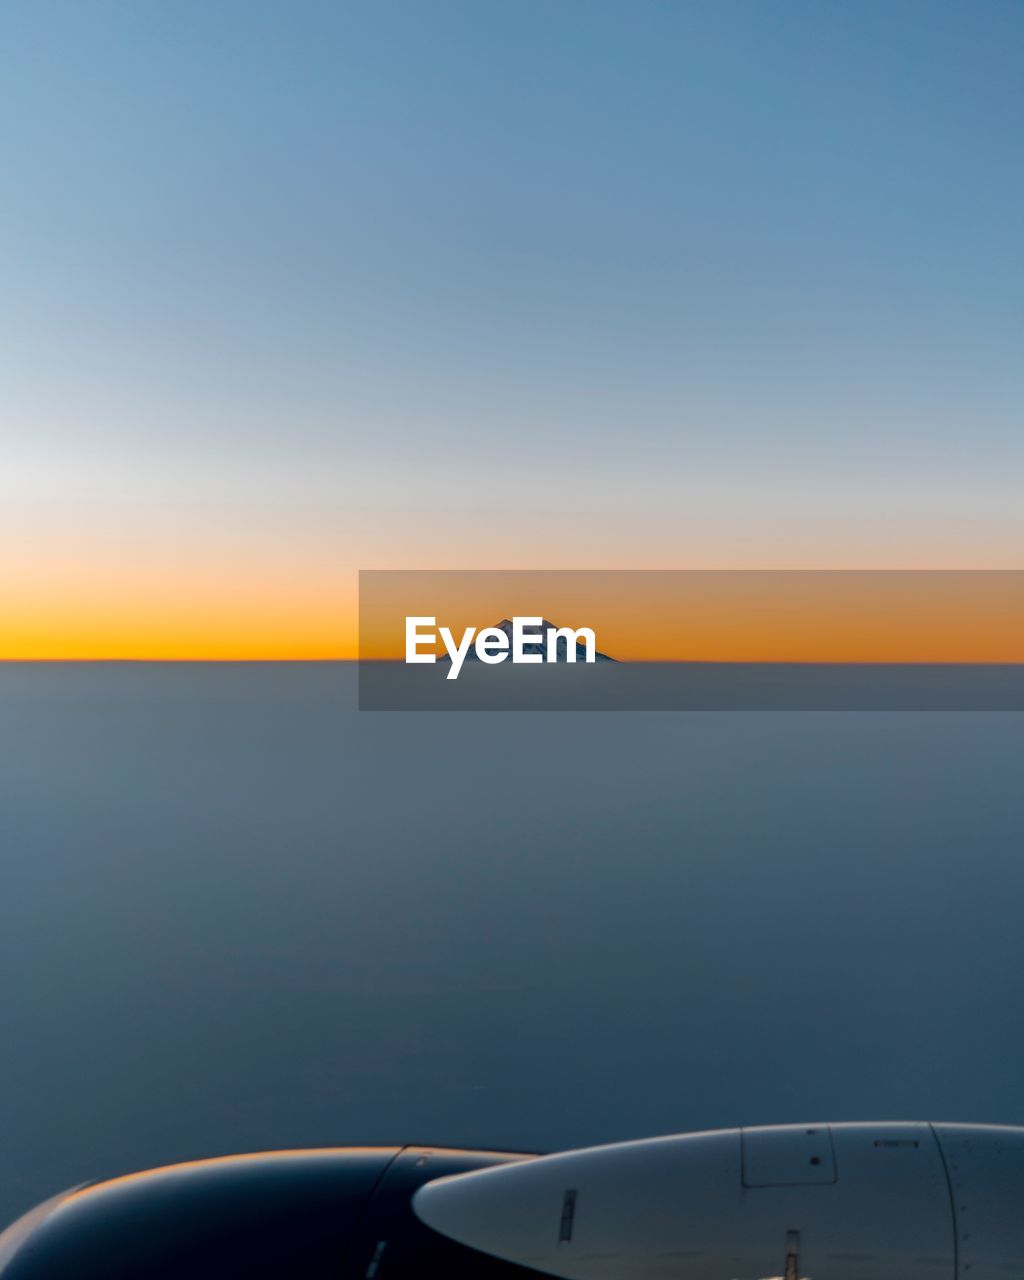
(293, 290)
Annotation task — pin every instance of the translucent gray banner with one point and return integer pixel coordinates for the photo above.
(660, 640)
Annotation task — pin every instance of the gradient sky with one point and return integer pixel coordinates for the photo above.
(294, 289)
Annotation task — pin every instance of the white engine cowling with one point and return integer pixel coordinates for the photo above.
(791, 1202)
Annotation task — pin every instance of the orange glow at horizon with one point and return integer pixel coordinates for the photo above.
(725, 616)
(161, 610)
(716, 615)
(236, 631)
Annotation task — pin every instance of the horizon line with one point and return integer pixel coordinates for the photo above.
(126, 660)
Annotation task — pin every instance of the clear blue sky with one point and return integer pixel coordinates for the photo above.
(354, 284)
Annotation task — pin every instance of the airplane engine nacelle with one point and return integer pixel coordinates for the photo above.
(793, 1202)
